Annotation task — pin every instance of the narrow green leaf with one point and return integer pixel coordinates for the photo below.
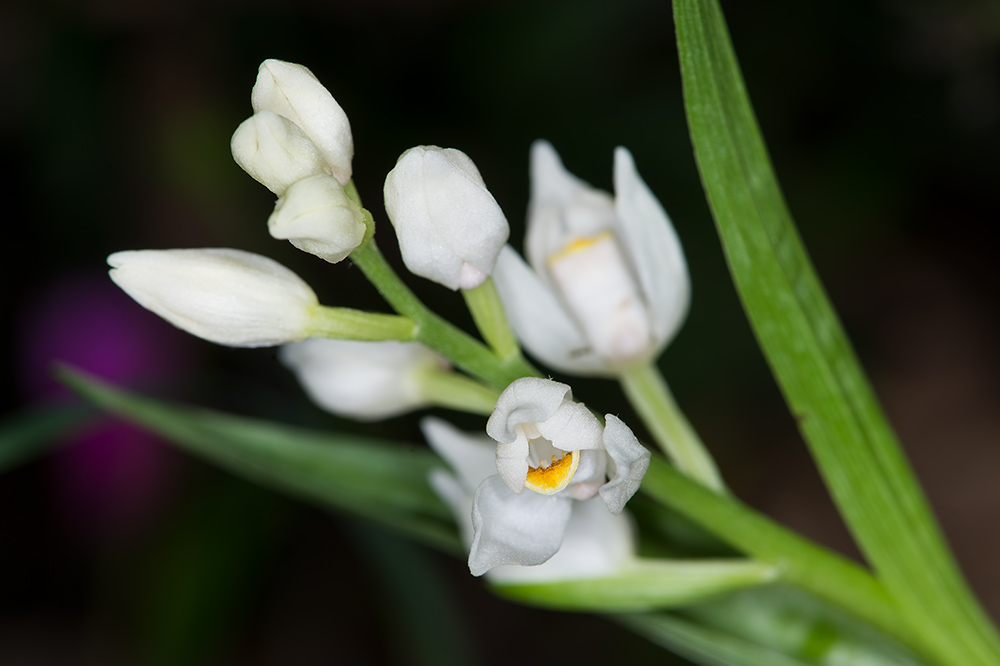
(804, 564)
(810, 356)
(31, 433)
(793, 623)
(378, 480)
(702, 645)
(648, 585)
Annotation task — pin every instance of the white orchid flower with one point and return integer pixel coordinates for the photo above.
(292, 91)
(450, 228)
(227, 296)
(607, 286)
(366, 381)
(316, 216)
(557, 450)
(595, 543)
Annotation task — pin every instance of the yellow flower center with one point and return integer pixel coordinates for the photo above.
(547, 479)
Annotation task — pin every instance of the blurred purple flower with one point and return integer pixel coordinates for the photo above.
(110, 475)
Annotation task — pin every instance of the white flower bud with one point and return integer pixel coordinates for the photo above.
(230, 297)
(365, 381)
(275, 151)
(449, 226)
(293, 91)
(318, 217)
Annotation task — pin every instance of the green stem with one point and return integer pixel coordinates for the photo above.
(491, 319)
(803, 563)
(648, 392)
(455, 391)
(464, 350)
(348, 324)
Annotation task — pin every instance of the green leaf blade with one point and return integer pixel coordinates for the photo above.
(378, 480)
(810, 355)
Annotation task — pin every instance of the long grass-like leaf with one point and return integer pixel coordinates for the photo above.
(856, 450)
(381, 481)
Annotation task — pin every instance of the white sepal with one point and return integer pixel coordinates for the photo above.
(508, 528)
(653, 247)
(226, 296)
(275, 151)
(292, 91)
(541, 321)
(449, 226)
(366, 381)
(631, 460)
(596, 544)
(318, 217)
(470, 456)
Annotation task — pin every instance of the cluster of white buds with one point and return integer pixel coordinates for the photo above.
(606, 289)
(299, 145)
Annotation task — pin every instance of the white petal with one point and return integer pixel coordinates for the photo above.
(520, 529)
(540, 321)
(292, 91)
(653, 247)
(525, 401)
(449, 226)
(361, 380)
(472, 456)
(631, 460)
(275, 151)
(318, 217)
(598, 287)
(596, 544)
(226, 296)
(572, 428)
(512, 462)
(562, 207)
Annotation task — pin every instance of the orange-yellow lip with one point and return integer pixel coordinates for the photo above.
(555, 477)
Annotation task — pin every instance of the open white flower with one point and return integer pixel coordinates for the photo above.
(292, 91)
(594, 543)
(449, 226)
(607, 285)
(366, 381)
(226, 296)
(550, 452)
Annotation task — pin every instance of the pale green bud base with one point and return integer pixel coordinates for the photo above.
(456, 391)
(348, 324)
(648, 392)
(644, 585)
(491, 319)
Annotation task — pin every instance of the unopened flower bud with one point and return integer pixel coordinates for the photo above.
(227, 296)
(293, 91)
(366, 381)
(318, 217)
(275, 151)
(450, 228)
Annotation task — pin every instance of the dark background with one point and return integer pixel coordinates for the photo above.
(882, 120)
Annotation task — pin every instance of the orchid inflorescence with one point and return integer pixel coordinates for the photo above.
(540, 495)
